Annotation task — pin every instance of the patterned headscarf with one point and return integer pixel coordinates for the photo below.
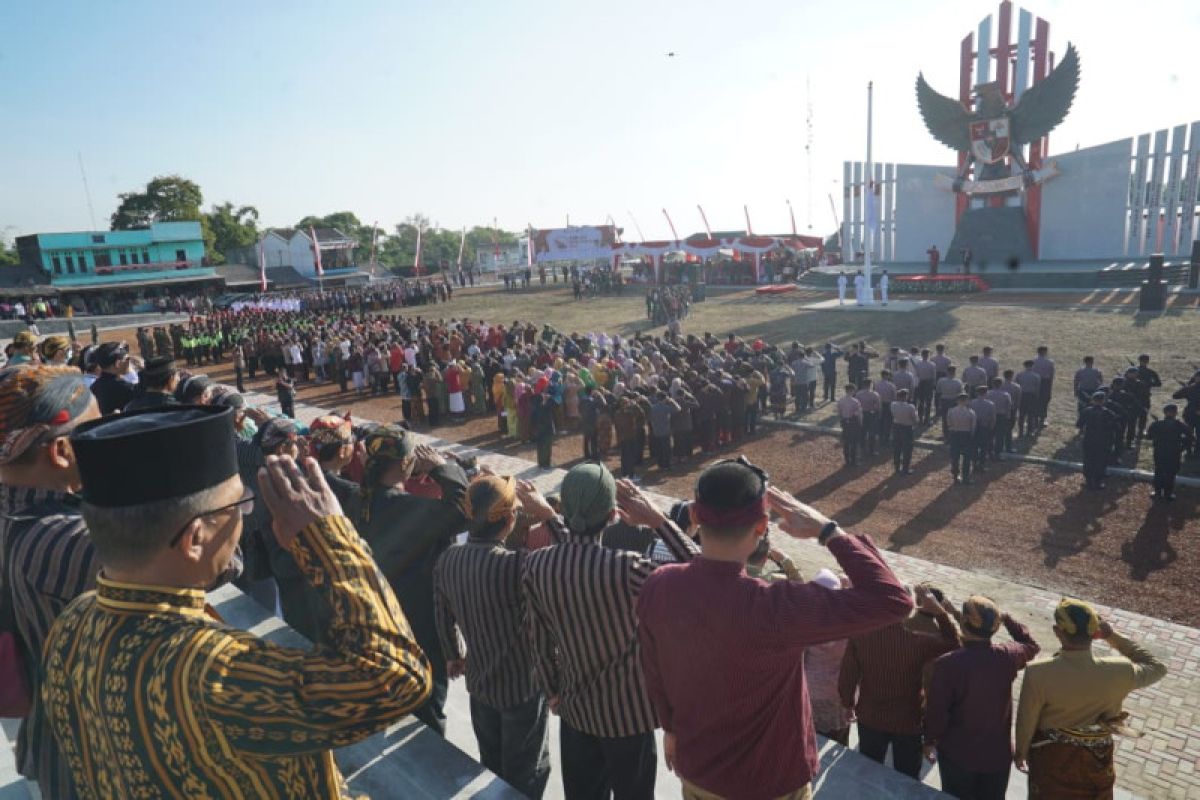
(329, 430)
(36, 401)
(1076, 617)
(980, 616)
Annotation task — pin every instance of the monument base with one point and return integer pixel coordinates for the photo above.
(996, 237)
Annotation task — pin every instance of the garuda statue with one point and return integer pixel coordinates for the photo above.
(995, 132)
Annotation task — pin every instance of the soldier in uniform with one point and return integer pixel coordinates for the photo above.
(162, 343)
(868, 398)
(1141, 393)
(1170, 438)
(1125, 406)
(1002, 433)
(1191, 412)
(1099, 426)
(1030, 406)
(1151, 381)
(941, 361)
(887, 394)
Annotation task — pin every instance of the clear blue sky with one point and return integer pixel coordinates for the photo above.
(522, 111)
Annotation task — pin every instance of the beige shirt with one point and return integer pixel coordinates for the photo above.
(1075, 688)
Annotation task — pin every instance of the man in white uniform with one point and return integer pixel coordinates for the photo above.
(883, 287)
(860, 287)
(841, 284)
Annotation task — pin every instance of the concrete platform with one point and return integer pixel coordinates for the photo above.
(894, 306)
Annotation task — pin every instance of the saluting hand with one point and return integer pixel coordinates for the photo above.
(795, 518)
(536, 507)
(295, 498)
(635, 508)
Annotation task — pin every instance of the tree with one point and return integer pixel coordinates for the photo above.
(231, 229)
(348, 223)
(167, 198)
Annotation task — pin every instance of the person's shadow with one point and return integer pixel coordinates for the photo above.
(1150, 549)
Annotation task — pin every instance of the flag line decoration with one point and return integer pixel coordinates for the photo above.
(671, 225)
(749, 227)
(704, 219)
(316, 251)
(262, 264)
(417, 261)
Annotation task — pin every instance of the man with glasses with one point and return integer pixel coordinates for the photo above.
(46, 556)
(112, 393)
(148, 692)
(721, 650)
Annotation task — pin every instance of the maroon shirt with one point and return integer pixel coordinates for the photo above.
(722, 655)
(968, 714)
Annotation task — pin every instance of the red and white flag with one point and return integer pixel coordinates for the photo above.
(417, 261)
(704, 219)
(316, 251)
(262, 264)
(749, 227)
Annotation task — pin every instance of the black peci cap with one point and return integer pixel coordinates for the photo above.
(123, 460)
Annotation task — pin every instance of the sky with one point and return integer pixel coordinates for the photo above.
(520, 111)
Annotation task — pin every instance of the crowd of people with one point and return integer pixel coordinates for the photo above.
(407, 568)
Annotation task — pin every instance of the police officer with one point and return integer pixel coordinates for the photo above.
(1099, 426)
(1087, 382)
(851, 414)
(973, 376)
(1141, 393)
(1125, 405)
(949, 387)
(926, 372)
(1170, 437)
(869, 400)
(985, 426)
(960, 423)
(887, 394)
(1002, 432)
(904, 423)
(1191, 412)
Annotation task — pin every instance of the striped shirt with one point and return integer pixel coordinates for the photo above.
(581, 598)
(477, 590)
(46, 561)
(882, 674)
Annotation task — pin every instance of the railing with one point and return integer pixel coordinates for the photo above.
(939, 284)
(159, 266)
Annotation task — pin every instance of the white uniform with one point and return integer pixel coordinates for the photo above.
(883, 287)
(841, 284)
(859, 288)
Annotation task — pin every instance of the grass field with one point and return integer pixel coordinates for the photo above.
(964, 327)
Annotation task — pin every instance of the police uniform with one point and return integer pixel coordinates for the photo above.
(1170, 437)
(1099, 426)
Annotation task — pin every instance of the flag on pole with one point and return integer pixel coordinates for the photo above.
(704, 219)
(417, 260)
(749, 227)
(316, 251)
(671, 225)
(374, 236)
(262, 264)
(496, 238)
(462, 245)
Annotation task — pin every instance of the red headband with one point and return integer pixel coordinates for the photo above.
(712, 517)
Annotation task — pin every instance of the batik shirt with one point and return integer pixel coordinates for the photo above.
(150, 696)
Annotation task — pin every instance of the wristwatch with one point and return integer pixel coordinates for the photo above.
(827, 532)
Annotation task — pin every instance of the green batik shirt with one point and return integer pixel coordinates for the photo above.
(149, 695)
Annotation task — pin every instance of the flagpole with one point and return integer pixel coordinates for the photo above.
(792, 214)
(262, 264)
(868, 233)
(749, 228)
(374, 236)
(704, 219)
(671, 225)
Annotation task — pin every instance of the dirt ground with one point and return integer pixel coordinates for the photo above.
(1021, 522)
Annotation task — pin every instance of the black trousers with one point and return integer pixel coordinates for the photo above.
(924, 401)
(885, 425)
(830, 385)
(1095, 462)
(870, 427)
(983, 444)
(902, 446)
(1001, 436)
(629, 457)
(590, 443)
(661, 450)
(967, 785)
(1165, 469)
(961, 446)
(514, 743)
(599, 767)
(851, 438)
(545, 446)
(906, 749)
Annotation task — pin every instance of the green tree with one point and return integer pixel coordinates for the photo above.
(166, 198)
(348, 223)
(231, 228)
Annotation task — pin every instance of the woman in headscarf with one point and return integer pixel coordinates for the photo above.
(525, 412)
(510, 407)
(433, 390)
(572, 385)
(499, 402)
(416, 388)
(55, 350)
(478, 392)
(408, 533)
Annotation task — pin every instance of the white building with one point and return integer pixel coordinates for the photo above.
(292, 247)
